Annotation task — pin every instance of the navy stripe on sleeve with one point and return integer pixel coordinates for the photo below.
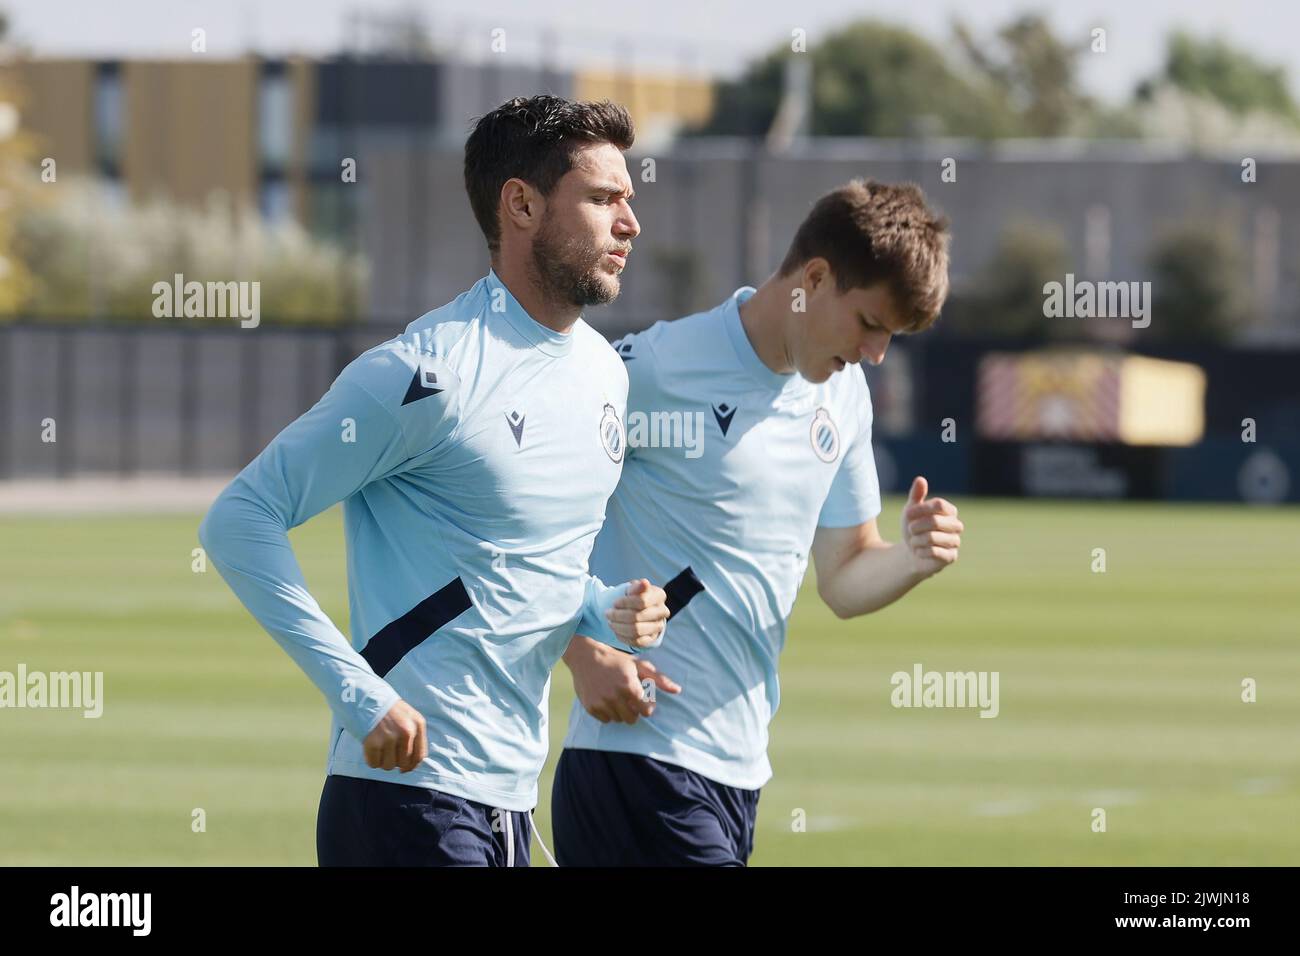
(397, 638)
(681, 589)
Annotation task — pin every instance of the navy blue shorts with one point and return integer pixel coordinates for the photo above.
(375, 823)
(616, 809)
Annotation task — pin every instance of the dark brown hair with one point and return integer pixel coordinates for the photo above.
(872, 232)
(534, 139)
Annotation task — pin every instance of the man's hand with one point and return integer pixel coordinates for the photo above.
(639, 617)
(398, 741)
(931, 531)
(608, 682)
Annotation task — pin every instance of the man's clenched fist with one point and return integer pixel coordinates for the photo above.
(931, 531)
(398, 741)
(640, 616)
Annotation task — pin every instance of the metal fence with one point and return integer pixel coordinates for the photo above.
(190, 399)
(128, 399)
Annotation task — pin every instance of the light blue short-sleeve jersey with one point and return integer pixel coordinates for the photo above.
(474, 455)
(731, 469)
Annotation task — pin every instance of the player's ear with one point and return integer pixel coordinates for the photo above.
(521, 205)
(815, 272)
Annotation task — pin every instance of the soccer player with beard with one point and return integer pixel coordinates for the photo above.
(786, 469)
(474, 455)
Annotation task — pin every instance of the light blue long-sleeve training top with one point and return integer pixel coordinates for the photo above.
(474, 455)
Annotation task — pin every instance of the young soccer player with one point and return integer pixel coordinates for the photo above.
(786, 467)
(474, 455)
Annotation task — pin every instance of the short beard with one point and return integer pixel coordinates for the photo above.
(568, 270)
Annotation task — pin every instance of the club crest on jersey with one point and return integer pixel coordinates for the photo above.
(825, 436)
(612, 435)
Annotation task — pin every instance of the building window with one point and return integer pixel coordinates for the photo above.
(274, 119)
(108, 118)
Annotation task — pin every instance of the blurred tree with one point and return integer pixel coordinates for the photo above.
(1035, 72)
(869, 79)
(747, 105)
(1199, 284)
(1111, 121)
(137, 245)
(16, 182)
(1213, 69)
(1209, 94)
(1006, 297)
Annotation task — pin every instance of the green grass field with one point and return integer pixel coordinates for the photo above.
(1119, 690)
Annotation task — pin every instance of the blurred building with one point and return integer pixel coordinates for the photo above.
(715, 213)
(274, 133)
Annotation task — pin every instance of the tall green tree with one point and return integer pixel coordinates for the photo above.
(1215, 70)
(18, 177)
(1006, 296)
(1035, 71)
(869, 79)
(1200, 284)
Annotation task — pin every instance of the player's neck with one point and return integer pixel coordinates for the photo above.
(529, 293)
(764, 317)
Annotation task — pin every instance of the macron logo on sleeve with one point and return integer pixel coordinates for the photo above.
(424, 384)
